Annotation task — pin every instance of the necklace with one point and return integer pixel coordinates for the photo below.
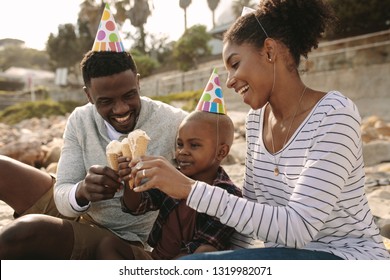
(276, 170)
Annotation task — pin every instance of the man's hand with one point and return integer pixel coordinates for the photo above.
(100, 183)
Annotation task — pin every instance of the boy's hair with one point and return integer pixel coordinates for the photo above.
(223, 124)
(101, 64)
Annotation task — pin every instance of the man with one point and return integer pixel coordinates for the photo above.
(87, 192)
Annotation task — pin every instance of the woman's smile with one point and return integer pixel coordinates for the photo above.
(242, 90)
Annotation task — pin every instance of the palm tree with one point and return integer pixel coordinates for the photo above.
(239, 4)
(89, 16)
(213, 4)
(184, 5)
(138, 15)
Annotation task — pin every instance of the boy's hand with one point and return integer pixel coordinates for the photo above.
(131, 199)
(124, 170)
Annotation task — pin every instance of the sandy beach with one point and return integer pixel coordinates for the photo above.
(6, 213)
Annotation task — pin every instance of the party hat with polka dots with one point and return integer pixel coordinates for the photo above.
(212, 98)
(107, 37)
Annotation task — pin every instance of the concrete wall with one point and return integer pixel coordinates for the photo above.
(368, 86)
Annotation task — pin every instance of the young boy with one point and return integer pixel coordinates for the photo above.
(204, 140)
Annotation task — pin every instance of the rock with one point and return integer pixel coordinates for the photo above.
(30, 141)
(384, 131)
(238, 150)
(29, 152)
(385, 231)
(385, 167)
(229, 160)
(369, 134)
(52, 168)
(374, 128)
(376, 152)
(53, 152)
(379, 201)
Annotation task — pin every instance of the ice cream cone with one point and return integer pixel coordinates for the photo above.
(138, 142)
(113, 161)
(126, 151)
(113, 151)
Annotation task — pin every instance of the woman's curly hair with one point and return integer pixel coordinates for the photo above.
(298, 24)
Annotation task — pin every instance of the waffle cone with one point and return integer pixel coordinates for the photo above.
(112, 159)
(126, 151)
(138, 142)
(140, 147)
(113, 151)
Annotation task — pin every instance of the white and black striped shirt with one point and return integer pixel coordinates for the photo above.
(318, 201)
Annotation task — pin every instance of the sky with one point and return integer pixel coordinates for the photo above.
(33, 20)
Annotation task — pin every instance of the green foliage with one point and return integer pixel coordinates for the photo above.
(138, 15)
(85, 39)
(360, 17)
(63, 49)
(70, 105)
(23, 57)
(161, 48)
(187, 99)
(43, 109)
(11, 84)
(145, 64)
(191, 46)
(38, 109)
(190, 105)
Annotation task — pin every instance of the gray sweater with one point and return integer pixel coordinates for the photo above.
(85, 141)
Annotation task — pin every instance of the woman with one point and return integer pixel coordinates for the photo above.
(304, 179)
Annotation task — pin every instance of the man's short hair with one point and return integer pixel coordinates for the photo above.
(101, 64)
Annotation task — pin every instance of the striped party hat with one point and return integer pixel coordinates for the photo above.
(212, 98)
(107, 37)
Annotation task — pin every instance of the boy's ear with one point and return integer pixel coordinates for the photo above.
(223, 151)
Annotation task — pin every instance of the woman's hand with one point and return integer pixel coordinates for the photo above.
(160, 174)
